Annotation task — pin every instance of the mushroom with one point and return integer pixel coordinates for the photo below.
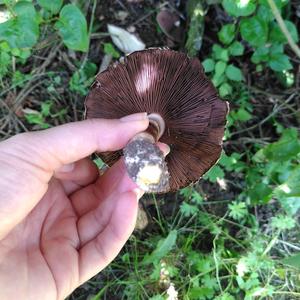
(170, 24)
(184, 110)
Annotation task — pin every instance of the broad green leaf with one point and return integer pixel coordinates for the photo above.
(72, 27)
(293, 261)
(164, 246)
(214, 174)
(208, 65)
(220, 53)
(290, 188)
(234, 73)
(255, 31)
(52, 6)
(276, 34)
(21, 31)
(239, 8)
(225, 89)
(261, 54)
(227, 33)
(260, 193)
(220, 68)
(110, 49)
(286, 148)
(236, 49)
(218, 79)
(196, 293)
(278, 61)
(265, 13)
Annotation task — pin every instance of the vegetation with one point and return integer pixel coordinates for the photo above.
(235, 234)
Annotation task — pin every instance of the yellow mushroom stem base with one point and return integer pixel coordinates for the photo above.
(146, 166)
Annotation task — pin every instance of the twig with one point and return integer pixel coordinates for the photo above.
(90, 33)
(283, 28)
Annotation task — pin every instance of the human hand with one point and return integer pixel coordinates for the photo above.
(60, 223)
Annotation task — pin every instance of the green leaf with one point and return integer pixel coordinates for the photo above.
(220, 68)
(280, 62)
(208, 65)
(260, 193)
(220, 53)
(265, 13)
(227, 33)
(21, 31)
(214, 173)
(164, 246)
(238, 210)
(276, 34)
(218, 79)
(52, 6)
(291, 187)
(260, 54)
(45, 108)
(239, 8)
(197, 198)
(286, 148)
(225, 89)
(157, 297)
(111, 50)
(188, 210)
(200, 293)
(242, 115)
(224, 296)
(236, 49)
(282, 222)
(293, 261)
(72, 27)
(255, 31)
(233, 73)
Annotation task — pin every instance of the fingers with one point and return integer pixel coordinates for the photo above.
(77, 175)
(28, 161)
(114, 179)
(51, 149)
(98, 253)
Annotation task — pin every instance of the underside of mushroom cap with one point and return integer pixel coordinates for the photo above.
(174, 86)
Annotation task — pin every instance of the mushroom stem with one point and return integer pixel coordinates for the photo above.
(145, 162)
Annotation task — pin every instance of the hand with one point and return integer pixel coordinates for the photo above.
(60, 223)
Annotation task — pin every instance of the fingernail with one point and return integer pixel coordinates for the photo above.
(134, 117)
(139, 193)
(66, 168)
(166, 150)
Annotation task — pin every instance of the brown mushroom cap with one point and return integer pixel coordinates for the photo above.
(170, 24)
(174, 86)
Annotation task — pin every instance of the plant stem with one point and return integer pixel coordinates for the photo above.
(283, 28)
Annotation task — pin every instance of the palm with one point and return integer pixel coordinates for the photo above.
(71, 234)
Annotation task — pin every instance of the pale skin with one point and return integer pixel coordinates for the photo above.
(60, 222)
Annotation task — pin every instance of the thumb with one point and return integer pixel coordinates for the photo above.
(50, 149)
(28, 161)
